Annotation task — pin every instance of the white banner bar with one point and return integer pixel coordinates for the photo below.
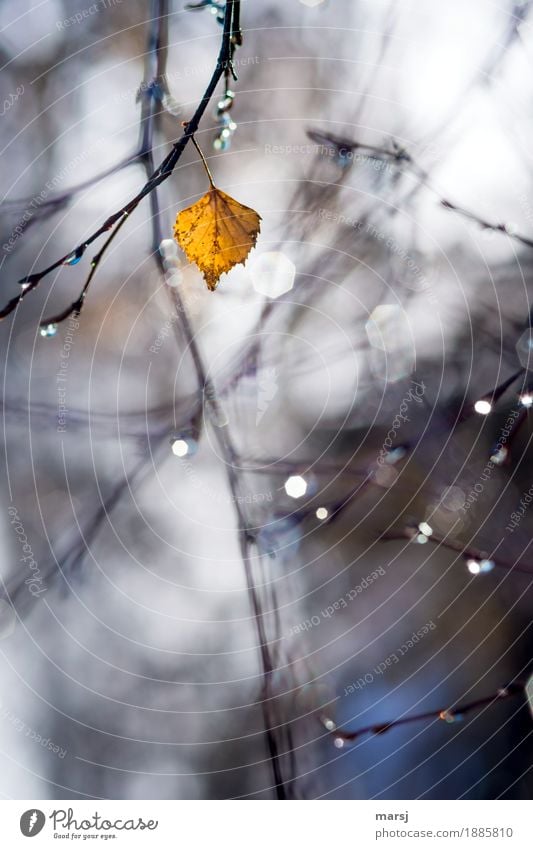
(267, 825)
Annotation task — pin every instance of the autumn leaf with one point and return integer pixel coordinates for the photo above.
(217, 232)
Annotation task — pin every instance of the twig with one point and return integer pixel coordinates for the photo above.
(76, 307)
(398, 155)
(447, 714)
(165, 169)
(468, 552)
(211, 402)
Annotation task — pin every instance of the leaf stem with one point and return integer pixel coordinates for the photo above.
(204, 160)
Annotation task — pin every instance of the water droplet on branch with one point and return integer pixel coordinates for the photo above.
(295, 486)
(75, 256)
(48, 330)
(183, 446)
(483, 407)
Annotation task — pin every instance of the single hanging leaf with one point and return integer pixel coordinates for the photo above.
(216, 233)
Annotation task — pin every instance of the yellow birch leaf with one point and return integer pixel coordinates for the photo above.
(216, 233)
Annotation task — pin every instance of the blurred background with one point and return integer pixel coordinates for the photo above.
(221, 511)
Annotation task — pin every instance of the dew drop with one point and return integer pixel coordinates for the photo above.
(452, 498)
(500, 456)
(473, 566)
(48, 330)
(168, 248)
(174, 278)
(221, 144)
(447, 716)
(385, 476)
(183, 446)
(225, 104)
(272, 274)
(483, 407)
(295, 486)
(75, 256)
(395, 455)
